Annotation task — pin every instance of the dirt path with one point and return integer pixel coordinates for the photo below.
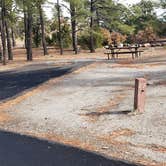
(91, 109)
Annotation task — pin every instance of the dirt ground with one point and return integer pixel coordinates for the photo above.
(54, 56)
(92, 108)
(20, 56)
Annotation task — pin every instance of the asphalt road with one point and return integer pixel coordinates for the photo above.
(19, 150)
(12, 83)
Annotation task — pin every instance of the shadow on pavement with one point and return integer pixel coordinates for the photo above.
(19, 150)
(15, 82)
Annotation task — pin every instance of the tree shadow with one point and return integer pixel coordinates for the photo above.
(19, 150)
(15, 82)
(125, 112)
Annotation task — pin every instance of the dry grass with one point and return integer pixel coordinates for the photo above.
(4, 117)
(111, 139)
(63, 140)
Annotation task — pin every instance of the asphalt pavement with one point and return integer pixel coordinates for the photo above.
(20, 150)
(14, 82)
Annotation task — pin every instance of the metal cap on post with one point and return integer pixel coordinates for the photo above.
(140, 94)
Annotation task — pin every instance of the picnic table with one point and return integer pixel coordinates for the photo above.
(115, 51)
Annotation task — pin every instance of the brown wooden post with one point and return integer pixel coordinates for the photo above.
(140, 94)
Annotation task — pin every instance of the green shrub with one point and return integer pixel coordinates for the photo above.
(84, 39)
(49, 41)
(36, 40)
(53, 39)
(36, 36)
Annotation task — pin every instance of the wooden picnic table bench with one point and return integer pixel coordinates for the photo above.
(115, 51)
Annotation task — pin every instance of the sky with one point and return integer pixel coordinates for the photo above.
(126, 2)
(48, 10)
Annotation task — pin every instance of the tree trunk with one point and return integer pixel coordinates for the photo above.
(25, 28)
(3, 36)
(0, 54)
(25, 23)
(0, 45)
(9, 47)
(98, 18)
(13, 38)
(43, 31)
(36, 35)
(92, 48)
(60, 31)
(74, 28)
(29, 35)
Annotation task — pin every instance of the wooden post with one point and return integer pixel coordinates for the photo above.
(140, 94)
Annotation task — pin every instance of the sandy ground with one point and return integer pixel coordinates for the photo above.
(54, 56)
(91, 109)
